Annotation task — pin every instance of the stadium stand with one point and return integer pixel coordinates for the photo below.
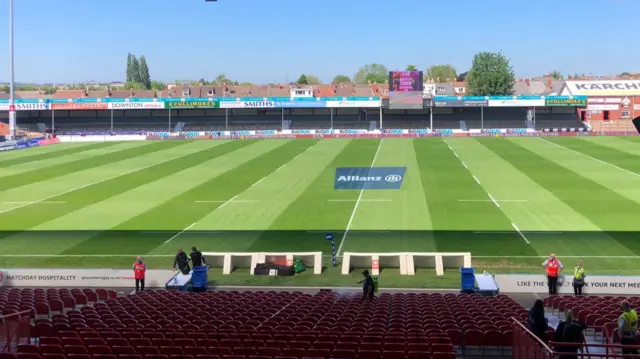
(239, 325)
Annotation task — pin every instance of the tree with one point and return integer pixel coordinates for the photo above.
(222, 80)
(490, 74)
(145, 78)
(246, 84)
(129, 77)
(4, 88)
(411, 68)
(158, 86)
(313, 80)
(442, 72)
(341, 79)
(135, 70)
(556, 75)
(374, 73)
(626, 74)
(302, 80)
(135, 86)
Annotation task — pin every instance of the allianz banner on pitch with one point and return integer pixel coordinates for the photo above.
(103, 278)
(369, 177)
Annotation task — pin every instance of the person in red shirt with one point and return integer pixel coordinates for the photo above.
(553, 267)
(139, 270)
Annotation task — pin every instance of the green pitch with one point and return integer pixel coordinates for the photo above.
(508, 201)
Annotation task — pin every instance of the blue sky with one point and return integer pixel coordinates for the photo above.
(276, 40)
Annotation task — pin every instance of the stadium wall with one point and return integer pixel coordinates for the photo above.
(594, 284)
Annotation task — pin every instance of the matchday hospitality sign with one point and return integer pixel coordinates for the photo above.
(57, 278)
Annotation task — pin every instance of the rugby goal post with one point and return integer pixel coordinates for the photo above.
(229, 261)
(406, 262)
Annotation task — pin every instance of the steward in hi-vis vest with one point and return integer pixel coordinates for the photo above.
(578, 279)
(628, 327)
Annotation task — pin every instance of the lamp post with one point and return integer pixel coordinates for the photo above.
(12, 107)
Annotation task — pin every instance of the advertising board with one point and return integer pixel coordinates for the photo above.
(402, 81)
(135, 105)
(105, 278)
(517, 102)
(467, 101)
(79, 106)
(537, 283)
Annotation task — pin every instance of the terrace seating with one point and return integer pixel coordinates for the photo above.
(272, 324)
(46, 302)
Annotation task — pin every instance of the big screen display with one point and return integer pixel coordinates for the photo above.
(404, 81)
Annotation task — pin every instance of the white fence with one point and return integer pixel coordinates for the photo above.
(406, 262)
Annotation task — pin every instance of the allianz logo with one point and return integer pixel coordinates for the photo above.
(388, 178)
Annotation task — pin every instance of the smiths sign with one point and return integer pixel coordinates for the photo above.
(369, 177)
(569, 101)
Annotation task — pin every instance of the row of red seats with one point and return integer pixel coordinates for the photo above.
(212, 356)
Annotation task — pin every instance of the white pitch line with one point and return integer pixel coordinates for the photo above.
(100, 181)
(497, 200)
(229, 201)
(520, 233)
(172, 232)
(324, 255)
(44, 202)
(355, 208)
(593, 158)
(179, 233)
(279, 168)
(362, 200)
(463, 164)
(234, 201)
(262, 179)
(476, 178)
(511, 232)
(493, 200)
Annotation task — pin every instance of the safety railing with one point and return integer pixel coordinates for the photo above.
(15, 328)
(527, 345)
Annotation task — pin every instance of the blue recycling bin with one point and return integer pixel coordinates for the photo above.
(199, 279)
(467, 280)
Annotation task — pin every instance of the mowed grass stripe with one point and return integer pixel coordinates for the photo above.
(295, 229)
(603, 153)
(34, 151)
(44, 174)
(616, 143)
(55, 154)
(445, 181)
(181, 211)
(605, 208)
(18, 169)
(31, 216)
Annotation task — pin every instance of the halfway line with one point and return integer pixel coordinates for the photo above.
(355, 208)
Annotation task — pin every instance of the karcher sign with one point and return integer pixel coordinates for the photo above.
(107, 278)
(369, 177)
(537, 283)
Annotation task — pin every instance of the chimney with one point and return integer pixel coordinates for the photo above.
(527, 82)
